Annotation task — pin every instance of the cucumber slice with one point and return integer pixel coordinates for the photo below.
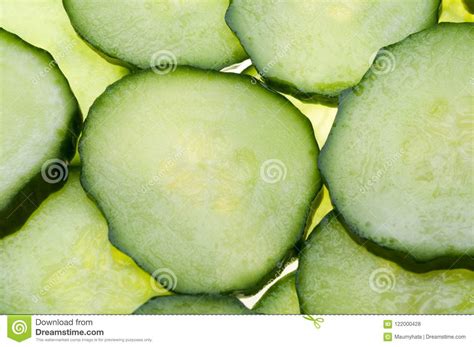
(281, 298)
(322, 47)
(39, 129)
(193, 304)
(401, 175)
(61, 262)
(338, 276)
(321, 116)
(204, 173)
(45, 24)
(158, 33)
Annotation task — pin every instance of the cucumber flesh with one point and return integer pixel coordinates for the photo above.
(321, 116)
(203, 173)
(322, 47)
(39, 129)
(158, 33)
(401, 175)
(193, 304)
(281, 298)
(45, 24)
(338, 276)
(61, 262)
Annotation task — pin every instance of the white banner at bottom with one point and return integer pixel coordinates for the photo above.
(229, 331)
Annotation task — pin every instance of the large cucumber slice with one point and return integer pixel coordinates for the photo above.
(319, 46)
(158, 33)
(61, 262)
(205, 173)
(40, 123)
(193, 304)
(281, 298)
(399, 160)
(338, 276)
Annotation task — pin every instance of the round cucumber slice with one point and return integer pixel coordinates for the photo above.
(158, 34)
(204, 173)
(61, 262)
(322, 47)
(193, 304)
(336, 275)
(281, 298)
(398, 161)
(39, 129)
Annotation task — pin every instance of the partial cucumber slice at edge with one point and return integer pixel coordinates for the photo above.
(338, 276)
(388, 178)
(61, 262)
(104, 27)
(193, 305)
(47, 172)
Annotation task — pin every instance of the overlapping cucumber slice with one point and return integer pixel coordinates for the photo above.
(45, 24)
(158, 33)
(336, 275)
(399, 159)
(322, 47)
(61, 262)
(193, 304)
(40, 123)
(280, 298)
(207, 174)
